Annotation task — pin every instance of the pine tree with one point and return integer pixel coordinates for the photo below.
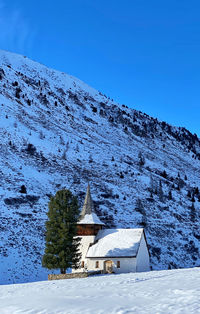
(64, 155)
(62, 245)
(23, 189)
(185, 178)
(170, 195)
(196, 190)
(192, 213)
(152, 185)
(141, 159)
(139, 206)
(164, 174)
(160, 191)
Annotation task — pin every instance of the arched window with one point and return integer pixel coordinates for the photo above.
(118, 264)
(97, 264)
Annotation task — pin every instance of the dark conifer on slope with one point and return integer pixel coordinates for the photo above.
(62, 245)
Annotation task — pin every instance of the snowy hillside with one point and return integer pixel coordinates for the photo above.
(168, 291)
(58, 132)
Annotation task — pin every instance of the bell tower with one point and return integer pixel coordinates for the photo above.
(89, 223)
(88, 226)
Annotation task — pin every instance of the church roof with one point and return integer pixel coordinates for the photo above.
(116, 243)
(88, 215)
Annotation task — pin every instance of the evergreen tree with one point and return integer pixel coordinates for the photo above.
(185, 178)
(152, 185)
(160, 191)
(141, 159)
(64, 155)
(164, 174)
(139, 206)
(23, 189)
(196, 190)
(62, 245)
(192, 213)
(170, 195)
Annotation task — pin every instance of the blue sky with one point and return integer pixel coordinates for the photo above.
(145, 54)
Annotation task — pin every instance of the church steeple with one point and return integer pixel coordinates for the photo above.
(89, 223)
(88, 207)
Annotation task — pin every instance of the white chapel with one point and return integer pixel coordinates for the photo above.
(109, 250)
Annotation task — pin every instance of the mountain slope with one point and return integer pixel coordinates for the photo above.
(57, 132)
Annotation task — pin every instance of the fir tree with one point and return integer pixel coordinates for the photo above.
(160, 191)
(23, 189)
(152, 185)
(192, 213)
(139, 206)
(196, 190)
(170, 195)
(64, 155)
(141, 159)
(185, 177)
(164, 174)
(62, 245)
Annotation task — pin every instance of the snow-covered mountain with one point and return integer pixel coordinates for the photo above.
(57, 132)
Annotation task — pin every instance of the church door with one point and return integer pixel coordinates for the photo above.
(108, 267)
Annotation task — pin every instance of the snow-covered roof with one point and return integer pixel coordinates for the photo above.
(90, 219)
(116, 243)
(88, 215)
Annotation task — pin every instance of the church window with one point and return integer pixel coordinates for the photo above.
(97, 264)
(118, 264)
(82, 264)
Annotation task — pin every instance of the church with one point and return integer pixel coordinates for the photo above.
(109, 250)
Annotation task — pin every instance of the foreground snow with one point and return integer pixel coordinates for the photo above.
(173, 291)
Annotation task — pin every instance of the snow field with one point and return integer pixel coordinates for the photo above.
(172, 291)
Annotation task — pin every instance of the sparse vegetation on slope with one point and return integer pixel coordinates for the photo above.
(57, 132)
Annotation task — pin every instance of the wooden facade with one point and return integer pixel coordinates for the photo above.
(88, 229)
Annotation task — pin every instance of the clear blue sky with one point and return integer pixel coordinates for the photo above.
(143, 53)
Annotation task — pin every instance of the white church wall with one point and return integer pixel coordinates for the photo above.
(142, 257)
(126, 264)
(83, 248)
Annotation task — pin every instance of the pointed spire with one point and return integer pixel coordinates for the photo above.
(88, 207)
(88, 215)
